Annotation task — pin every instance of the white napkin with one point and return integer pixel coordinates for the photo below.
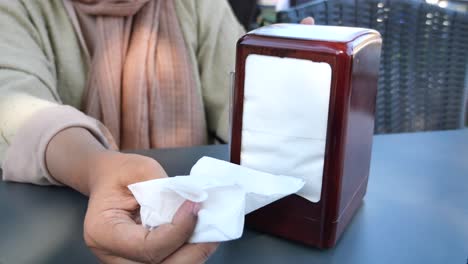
(285, 118)
(225, 190)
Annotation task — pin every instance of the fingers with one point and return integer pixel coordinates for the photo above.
(192, 253)
(308, 21)
(166, 239)
(108, 259)
(116, 234)
(119, 235)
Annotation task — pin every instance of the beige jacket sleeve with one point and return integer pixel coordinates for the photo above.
(218, 36)
(39, 53)
(212, 31)
(30, 107)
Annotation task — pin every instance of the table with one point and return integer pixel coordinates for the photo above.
(415, 211)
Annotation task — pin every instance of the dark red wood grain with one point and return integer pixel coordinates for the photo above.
(349, 135)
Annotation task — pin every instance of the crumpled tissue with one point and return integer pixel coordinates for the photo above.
(225, 190)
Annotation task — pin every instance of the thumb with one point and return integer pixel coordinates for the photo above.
(185, 218)
(168, 238)
(183, 224)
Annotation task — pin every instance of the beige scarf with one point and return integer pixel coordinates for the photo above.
(141, 84)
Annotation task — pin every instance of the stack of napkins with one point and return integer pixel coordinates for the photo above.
(225, 190)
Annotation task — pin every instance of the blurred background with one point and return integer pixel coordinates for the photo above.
(423, 72)
(255, 13)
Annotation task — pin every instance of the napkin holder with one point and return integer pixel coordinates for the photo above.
(344, 64)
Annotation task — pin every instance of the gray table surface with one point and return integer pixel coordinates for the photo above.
(415, 211)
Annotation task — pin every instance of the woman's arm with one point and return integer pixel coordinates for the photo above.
(112, 229)
(44, 142)
(71, 155)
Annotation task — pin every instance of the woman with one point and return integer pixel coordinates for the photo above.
(146, 74)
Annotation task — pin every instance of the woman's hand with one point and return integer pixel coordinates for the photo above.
(308, 21)
(112, 229)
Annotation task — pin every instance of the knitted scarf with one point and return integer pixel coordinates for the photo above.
(141, 83)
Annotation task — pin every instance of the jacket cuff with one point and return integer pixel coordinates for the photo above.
(25, 157)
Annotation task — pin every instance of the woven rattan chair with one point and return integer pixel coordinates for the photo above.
(424, 61)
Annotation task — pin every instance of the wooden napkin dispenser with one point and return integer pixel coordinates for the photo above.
(303, 106)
